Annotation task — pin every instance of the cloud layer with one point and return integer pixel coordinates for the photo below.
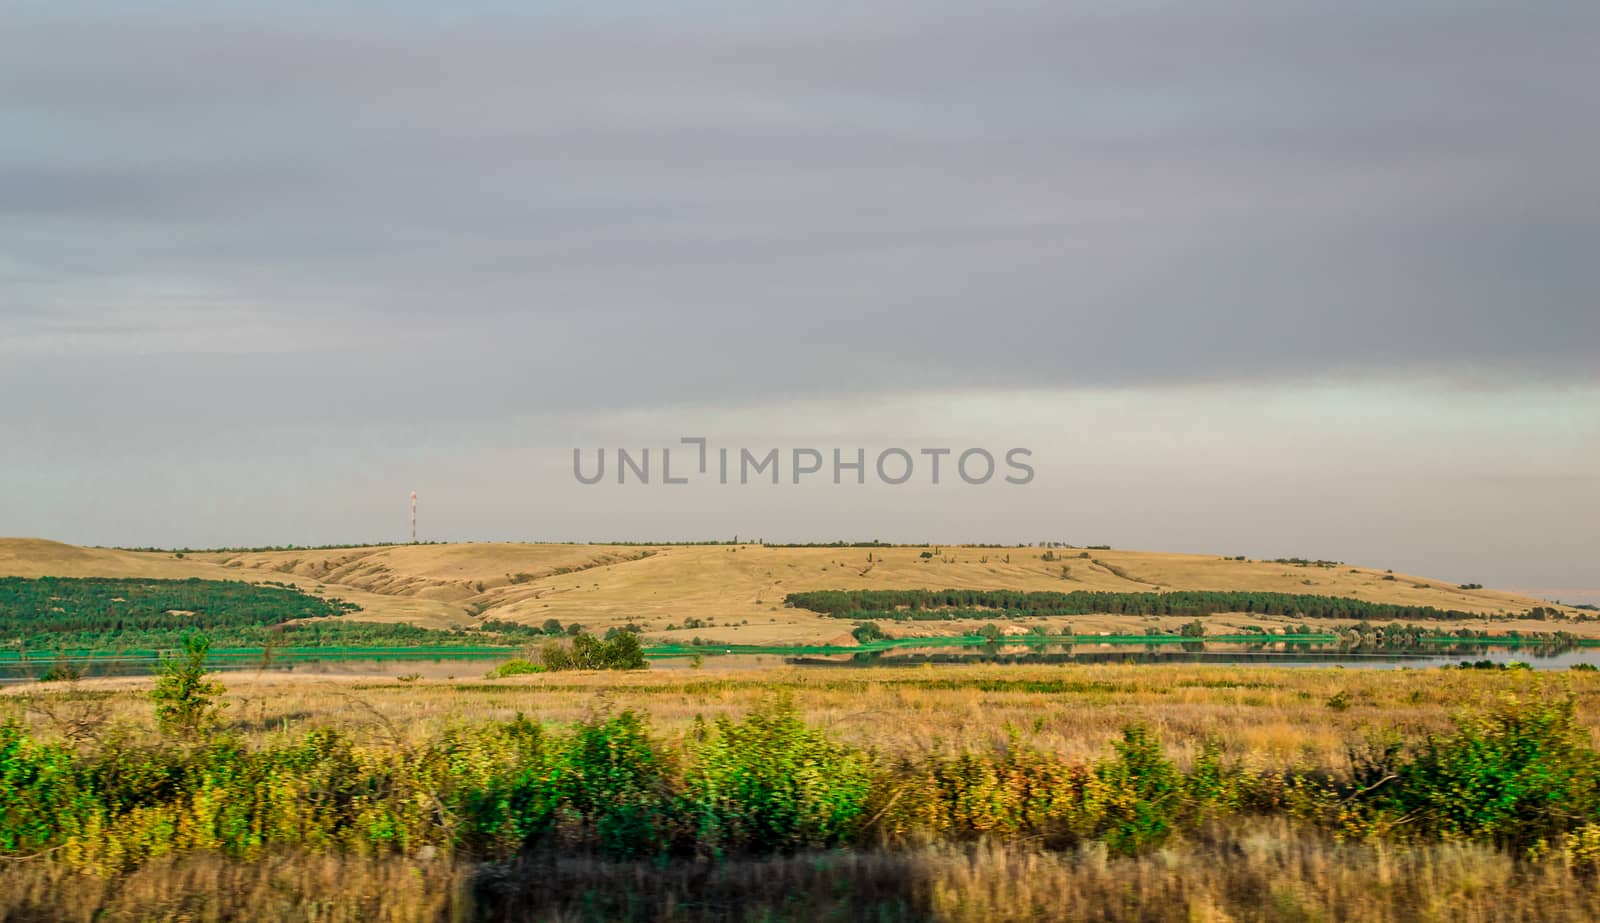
(225, 219)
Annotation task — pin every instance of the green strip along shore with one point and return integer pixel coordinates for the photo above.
(665, 651)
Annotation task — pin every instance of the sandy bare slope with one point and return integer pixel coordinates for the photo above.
(659, 586)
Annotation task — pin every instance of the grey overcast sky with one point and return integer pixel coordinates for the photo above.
(1256, 277)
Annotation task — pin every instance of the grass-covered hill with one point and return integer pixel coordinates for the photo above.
(738, 593)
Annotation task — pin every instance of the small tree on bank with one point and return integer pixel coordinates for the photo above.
(186, 702)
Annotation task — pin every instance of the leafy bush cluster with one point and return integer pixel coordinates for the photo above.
(516, 632)
(866, 605)
(617, 651)
(517, 666)
(1523, 776)
(554, 628)
(608, 786)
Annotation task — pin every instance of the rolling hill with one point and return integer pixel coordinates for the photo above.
(734, 592)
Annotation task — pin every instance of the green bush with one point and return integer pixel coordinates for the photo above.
(1145, 793)
(615, 790)
(1519, 775)
(624, 652)
(514, 667)
(185, 700)
(770, 783)
(621, 651)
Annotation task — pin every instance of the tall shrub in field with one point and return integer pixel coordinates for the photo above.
(1520, 774)
(39, 791)
(615, 789)
(185, 700)
(770, 783)
(1144, 793)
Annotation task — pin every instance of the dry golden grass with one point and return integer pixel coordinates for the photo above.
(1268, 717)
(205, 889)
(742, 587)
(1261, 871)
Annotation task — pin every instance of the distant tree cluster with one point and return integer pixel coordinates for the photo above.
(117, 614)
(50, 611)
(515, 632)
(868, 605)
(619, 651)
(256, 549)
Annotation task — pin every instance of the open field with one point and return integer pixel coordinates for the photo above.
(959, 793)
(736, 592)
(1273, 717)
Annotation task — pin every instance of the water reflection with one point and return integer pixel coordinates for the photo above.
(1551, 656)
(451, 665)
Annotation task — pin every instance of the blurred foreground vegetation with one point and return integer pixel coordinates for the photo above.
(605, 817)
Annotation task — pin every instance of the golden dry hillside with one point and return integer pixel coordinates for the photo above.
(739, 587)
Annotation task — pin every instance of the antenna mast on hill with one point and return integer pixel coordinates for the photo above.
(413, 517)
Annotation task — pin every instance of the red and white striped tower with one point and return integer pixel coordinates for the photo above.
(413, 517)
